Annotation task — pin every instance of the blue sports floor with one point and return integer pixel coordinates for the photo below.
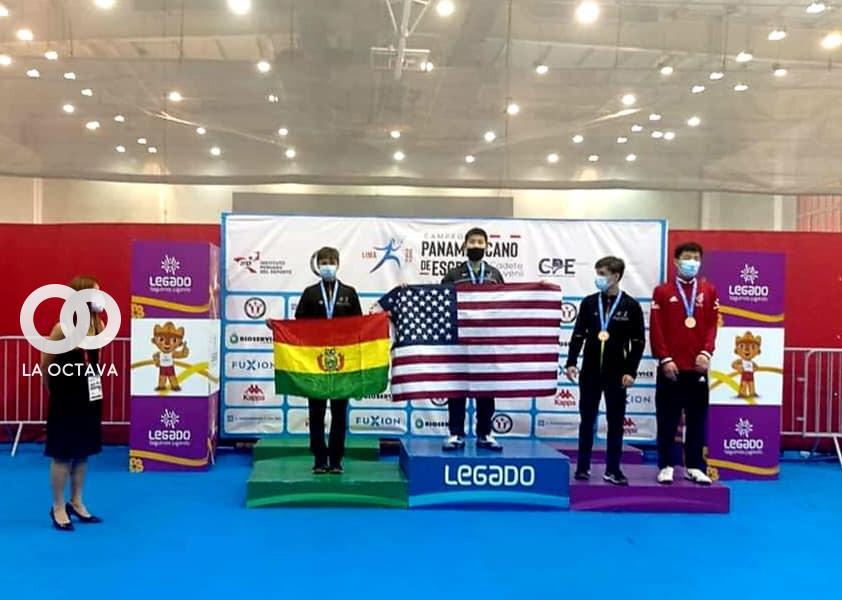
(188, 536)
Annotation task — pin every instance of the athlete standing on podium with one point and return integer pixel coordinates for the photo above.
(685, 316)
(610, 325)
(477, 272)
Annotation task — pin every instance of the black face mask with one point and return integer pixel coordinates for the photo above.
(476, 254)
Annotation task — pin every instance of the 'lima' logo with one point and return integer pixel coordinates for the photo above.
(749, 274)
(744, 428)
(169, 418)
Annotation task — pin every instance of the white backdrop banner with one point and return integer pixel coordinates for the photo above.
(267, 264)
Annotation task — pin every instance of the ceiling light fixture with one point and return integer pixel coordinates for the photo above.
(631, 157)
(636, 128)
(445, 8)
(816, 8)
(694, 121)
(427, 66)
(469, 158)
(395, 134)
(70, 76)
(542, 69)
(655, 117)
(629, 100)
(552, 158)
(175, 96)
(283, 132)
(239, 7)
(215, 151)
(779, 71)
(587, 12)
(87, 92)
(273, 99)
(776, 35)
(92, 125)
(716, 75)
(744, 56)
(489, 136)
(512, 109)
(832, 41)
(593, 158)
(152, 150)
(68, 108)
(4, 12)
(119, 118)
(105, 4)
(25, 35)
(121, 149)
(5, 60)
(141, 141)
(399, 156)
(201, 130)
(667, 70)
(669, 136)
(740, 87)
(33, 73)
(290, 153)
(51, 55)
(264, 66)
(578, 138)
(657, 135)
(697, 89)
(622, 140)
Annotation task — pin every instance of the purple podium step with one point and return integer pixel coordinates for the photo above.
(645, 494)
(631, 455)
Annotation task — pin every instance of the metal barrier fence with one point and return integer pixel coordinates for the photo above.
(24, 396)
(812, 395)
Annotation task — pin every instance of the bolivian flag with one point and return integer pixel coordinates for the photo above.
(336, 358)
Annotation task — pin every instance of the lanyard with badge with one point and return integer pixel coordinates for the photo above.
(690, 321)
(94, 381)
(473, 275)
(330, 301)
(604, 320)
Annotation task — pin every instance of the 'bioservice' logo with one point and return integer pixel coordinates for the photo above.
(76, 304)
(490, 475)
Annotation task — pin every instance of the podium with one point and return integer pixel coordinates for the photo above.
(174, 356)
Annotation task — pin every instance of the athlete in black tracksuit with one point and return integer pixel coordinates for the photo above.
(609, 370)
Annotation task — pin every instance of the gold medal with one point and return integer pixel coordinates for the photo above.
(603, 336)
(690, 322)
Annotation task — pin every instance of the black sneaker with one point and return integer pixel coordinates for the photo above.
(582, 475)
(616, 478)
(335, 470)
(319, 470)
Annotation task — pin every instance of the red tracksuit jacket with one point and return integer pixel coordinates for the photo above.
(669, 337)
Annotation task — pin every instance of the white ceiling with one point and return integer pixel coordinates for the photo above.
(782, 135)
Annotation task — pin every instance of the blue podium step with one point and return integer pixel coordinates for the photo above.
(526, 475)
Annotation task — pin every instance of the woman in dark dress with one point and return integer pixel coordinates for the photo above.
(74, 419)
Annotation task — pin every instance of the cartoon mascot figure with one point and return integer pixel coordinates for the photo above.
(747, 348)
(169, 340)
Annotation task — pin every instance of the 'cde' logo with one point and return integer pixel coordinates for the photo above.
(490, 475)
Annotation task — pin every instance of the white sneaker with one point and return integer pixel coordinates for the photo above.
(489, 443)
(665, 475)
(454, 442)
(697, 476)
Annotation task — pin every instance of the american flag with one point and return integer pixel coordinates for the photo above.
(485, 340)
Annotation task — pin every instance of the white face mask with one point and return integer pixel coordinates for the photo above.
(97, 303)
(328, 272)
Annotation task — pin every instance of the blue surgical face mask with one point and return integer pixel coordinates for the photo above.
(602, 282)
(328, 272)
(689, 268)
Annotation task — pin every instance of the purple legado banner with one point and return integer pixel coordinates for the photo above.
(744, 442)
(174, 279)
(746, 373)
(171, 433)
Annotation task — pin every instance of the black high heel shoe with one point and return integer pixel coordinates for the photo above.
(61, 526)
(72, 512)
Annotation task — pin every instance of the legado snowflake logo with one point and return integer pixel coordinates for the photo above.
(749, 274)
(743, 428)
(169, 418)
(170, 264)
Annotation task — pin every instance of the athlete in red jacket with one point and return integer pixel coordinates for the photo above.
(685, 314)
